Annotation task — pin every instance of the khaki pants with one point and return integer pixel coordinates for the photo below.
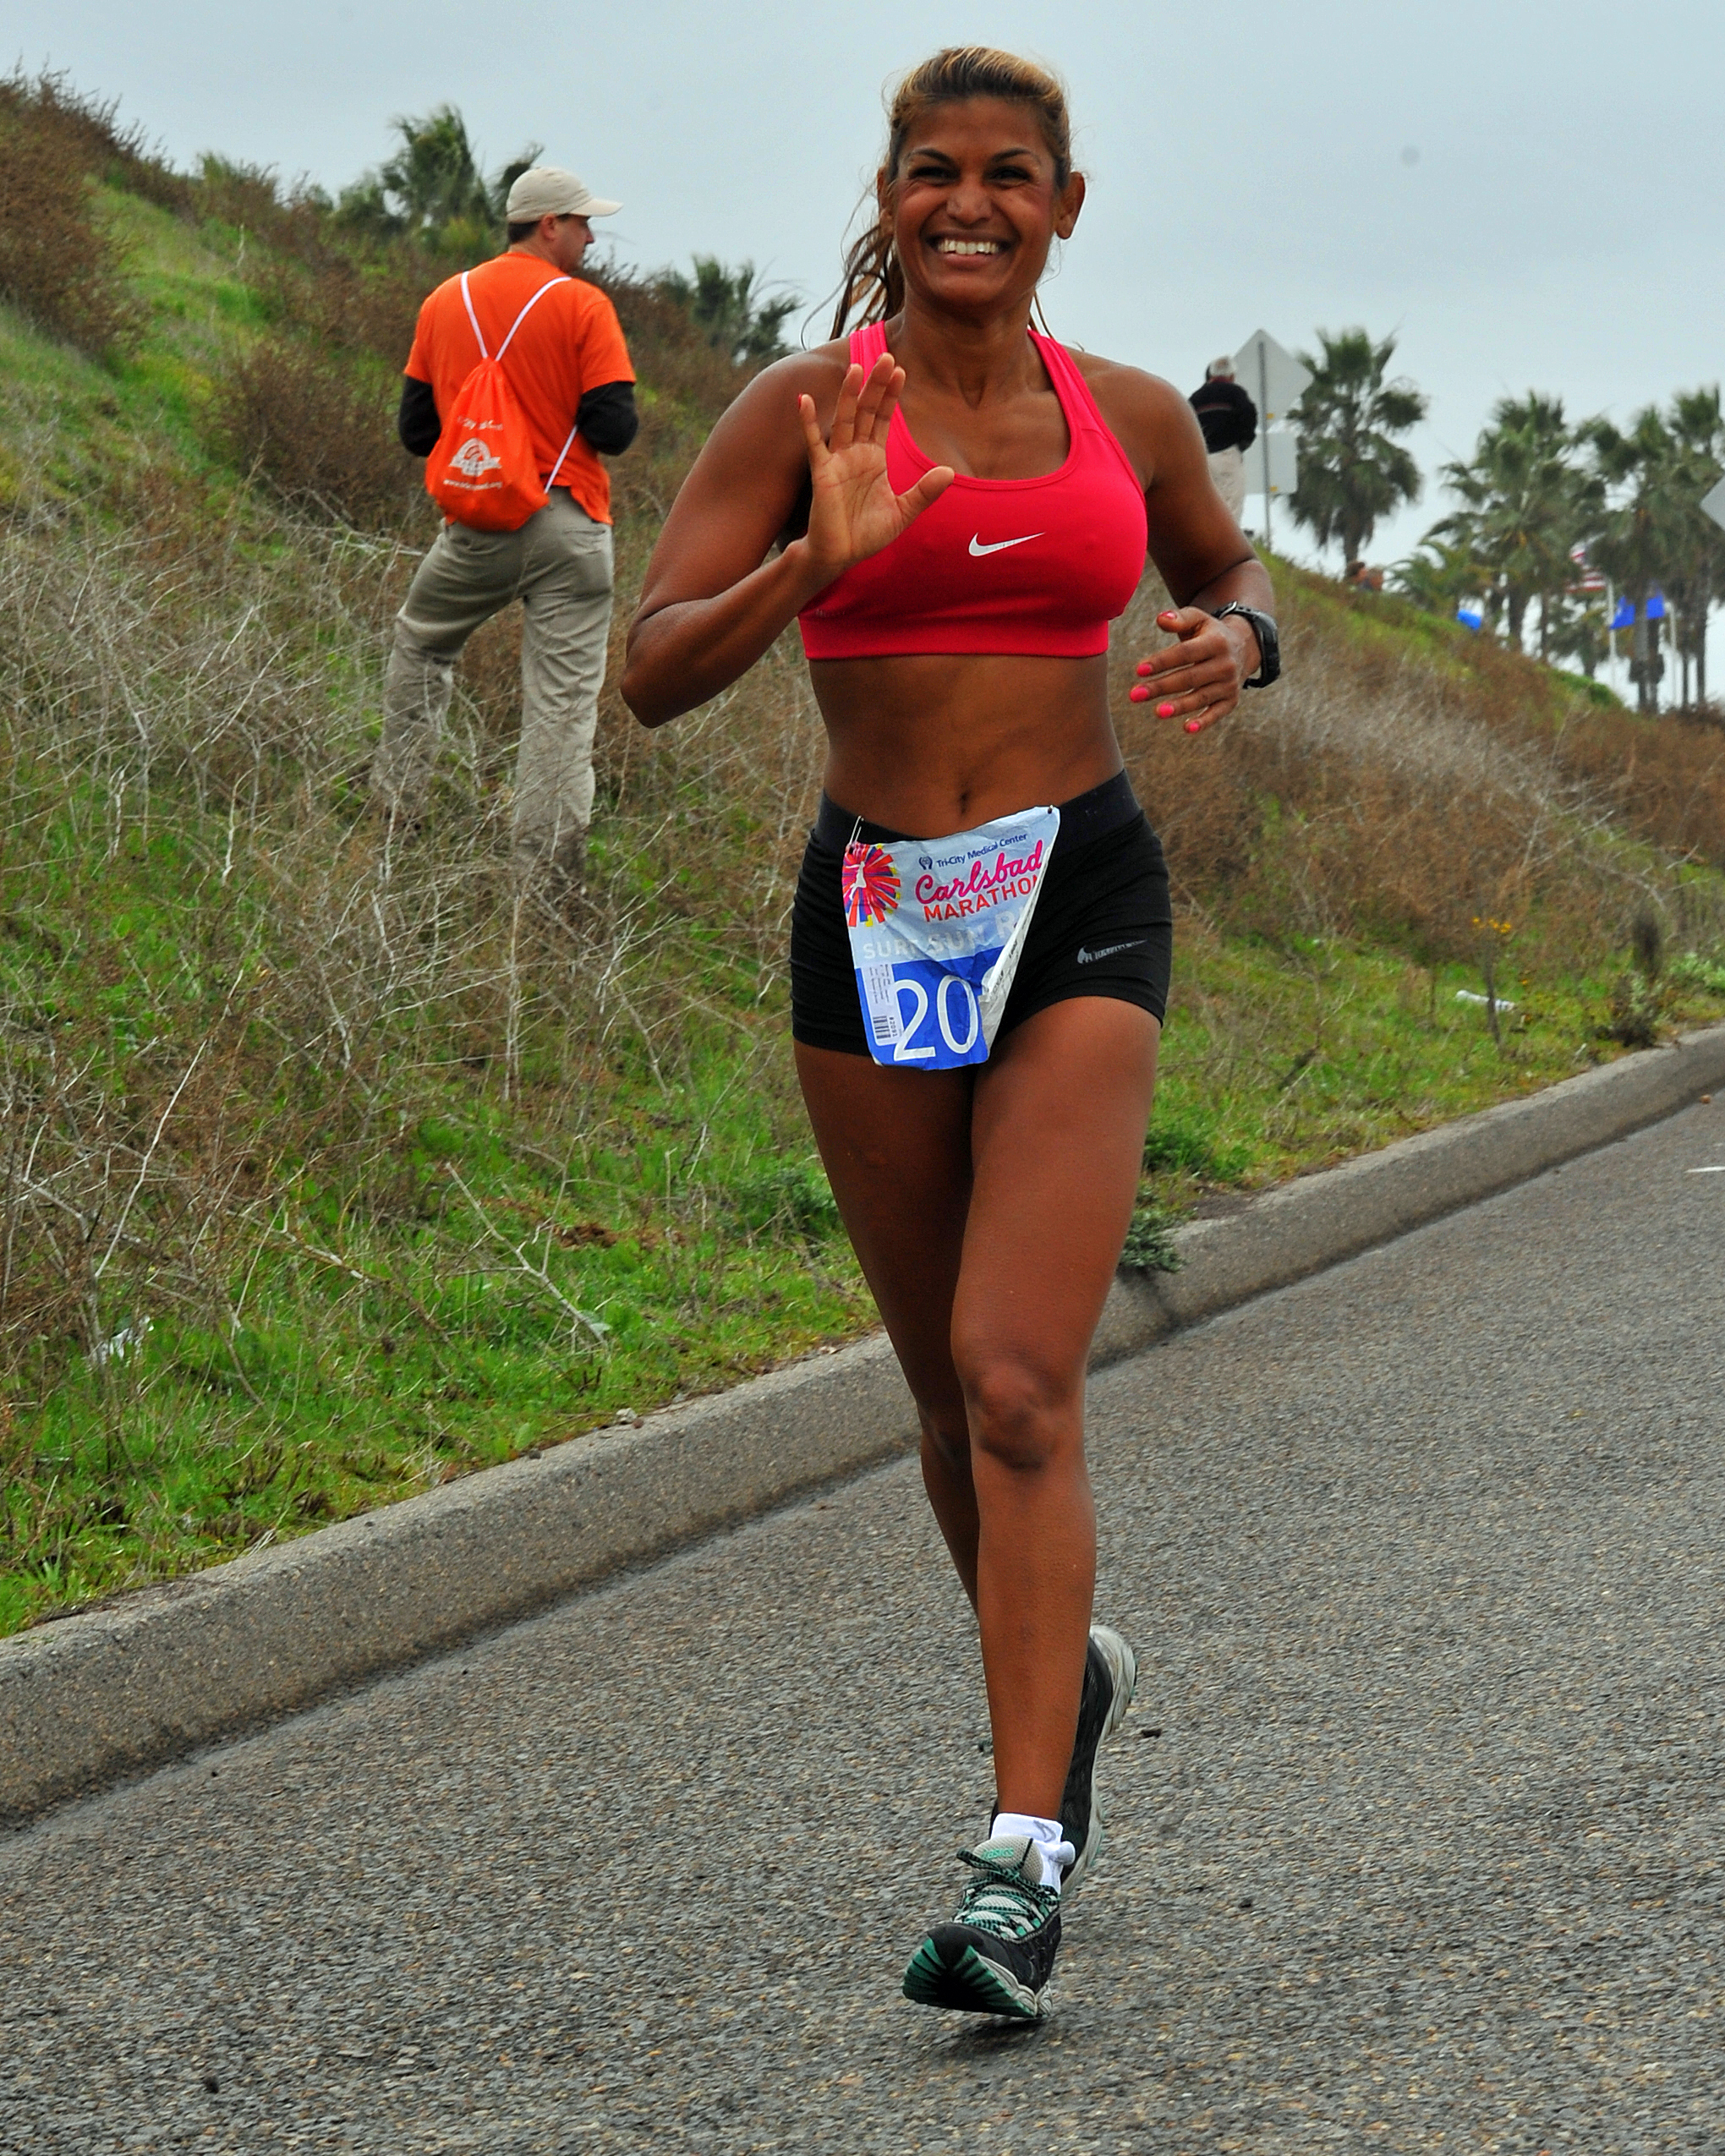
(559, 566)
(1228, 470)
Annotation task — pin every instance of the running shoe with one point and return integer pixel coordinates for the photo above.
(1110, 1678)
(996, 1955)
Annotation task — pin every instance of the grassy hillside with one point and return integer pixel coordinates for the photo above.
(329, 1173)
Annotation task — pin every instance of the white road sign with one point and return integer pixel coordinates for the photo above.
(1714, 503)
(1283, 468)
(1274, 379)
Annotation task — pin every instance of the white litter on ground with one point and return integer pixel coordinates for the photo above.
(116, 1348)
(1470, 995)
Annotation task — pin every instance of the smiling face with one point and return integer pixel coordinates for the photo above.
(975, 205)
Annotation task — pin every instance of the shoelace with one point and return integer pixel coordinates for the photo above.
(1003, 1902)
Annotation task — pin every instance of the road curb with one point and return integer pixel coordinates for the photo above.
(92, 1698)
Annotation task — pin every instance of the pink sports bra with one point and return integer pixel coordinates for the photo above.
(1036, 566)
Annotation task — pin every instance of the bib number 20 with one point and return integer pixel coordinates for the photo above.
(940, 1020)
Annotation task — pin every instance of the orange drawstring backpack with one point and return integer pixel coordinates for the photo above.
(482, 470)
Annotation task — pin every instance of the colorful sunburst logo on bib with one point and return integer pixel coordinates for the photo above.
(870, 884)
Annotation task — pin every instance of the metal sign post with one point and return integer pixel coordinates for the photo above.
(1263, 406)
(1611, 637)
(1282, 381)
(1713, 503)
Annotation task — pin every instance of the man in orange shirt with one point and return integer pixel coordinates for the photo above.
(568, 367)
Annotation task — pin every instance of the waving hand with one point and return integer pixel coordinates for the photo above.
(854, 511)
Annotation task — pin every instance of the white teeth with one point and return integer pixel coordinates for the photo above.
(967, 246)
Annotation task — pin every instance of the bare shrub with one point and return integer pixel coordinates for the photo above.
(1664, 777)
(320, 433)
(1378, 792)
(344, 297)
(118, 157)
(239, 194)
(57, 262)
(208, 685)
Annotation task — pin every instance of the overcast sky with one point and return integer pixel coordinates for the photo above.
(1528, 192)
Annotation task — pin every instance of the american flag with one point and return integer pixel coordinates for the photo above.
(1587, 578)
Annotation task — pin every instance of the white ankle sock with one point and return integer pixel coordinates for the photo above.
(1050, 1839)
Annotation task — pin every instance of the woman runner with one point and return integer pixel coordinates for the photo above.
(960, 507)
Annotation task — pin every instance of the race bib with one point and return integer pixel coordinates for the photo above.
(937, 927)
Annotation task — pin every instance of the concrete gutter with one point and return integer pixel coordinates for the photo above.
(89, 1700)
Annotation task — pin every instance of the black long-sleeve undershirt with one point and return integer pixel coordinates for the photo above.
(1226, 413)
(605, 418)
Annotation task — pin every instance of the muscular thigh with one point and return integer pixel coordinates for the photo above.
(988, 1208)
(896, 1147)
(1057, 1142)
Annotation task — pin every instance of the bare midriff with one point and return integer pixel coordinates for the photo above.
(931, 744)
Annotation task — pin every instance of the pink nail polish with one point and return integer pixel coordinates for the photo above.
(1165, 711)
(1192, 726)
(1139, 695)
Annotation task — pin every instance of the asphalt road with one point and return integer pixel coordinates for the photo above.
(1418, 1824)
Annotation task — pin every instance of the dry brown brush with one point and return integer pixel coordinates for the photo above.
(318, 432)
(195, 706)
(1663, 778)
(57, 263)
(1381, 792)
(241, 1003)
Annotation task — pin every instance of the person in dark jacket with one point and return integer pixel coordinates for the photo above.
(1228, 418)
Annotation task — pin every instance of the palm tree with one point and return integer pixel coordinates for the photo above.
(435, 173)
(1578, 633)
(1696, 580)
(730, 309)
(1526, 503)
(1352, 470)
(1639, 531)
(1438, 577)
(433, 183)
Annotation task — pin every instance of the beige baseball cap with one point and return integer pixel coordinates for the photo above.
(548, 191)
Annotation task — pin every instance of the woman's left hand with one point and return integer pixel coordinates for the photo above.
(1199, 679)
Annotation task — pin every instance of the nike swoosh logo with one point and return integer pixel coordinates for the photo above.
(998, 545)
(1090, 957)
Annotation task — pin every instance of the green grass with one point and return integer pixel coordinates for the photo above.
(77, 425)
(691, 1223)
(1275, 1063)
(326, 1389)
(440, 1266)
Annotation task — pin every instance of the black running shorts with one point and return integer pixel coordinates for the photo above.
(1102, 927)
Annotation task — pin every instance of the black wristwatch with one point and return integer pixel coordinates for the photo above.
(1269, 643)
